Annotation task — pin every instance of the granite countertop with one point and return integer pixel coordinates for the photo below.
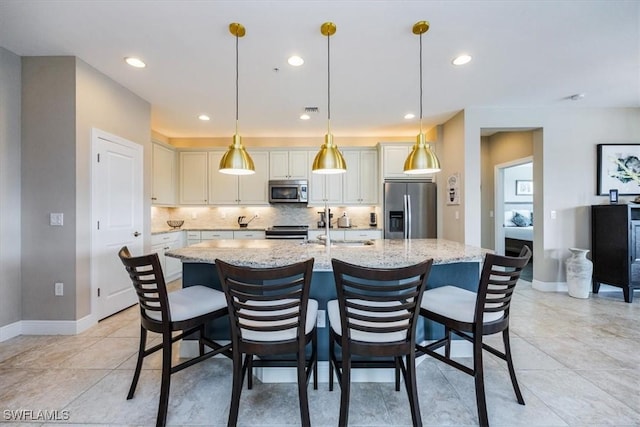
(171, 230)
(380, 253)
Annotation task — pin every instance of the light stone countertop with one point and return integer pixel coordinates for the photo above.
(171, 230)
(381, 254)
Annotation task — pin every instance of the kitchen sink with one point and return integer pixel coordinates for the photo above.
(342, 243)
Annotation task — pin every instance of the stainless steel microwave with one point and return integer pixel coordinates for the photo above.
(289, 191)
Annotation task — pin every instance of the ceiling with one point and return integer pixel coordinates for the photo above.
(525, 53)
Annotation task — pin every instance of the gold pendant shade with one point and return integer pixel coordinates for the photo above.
(329, 159)
(236, 161)
(422, 159)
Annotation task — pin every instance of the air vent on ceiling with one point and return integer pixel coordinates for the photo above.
(310, 109)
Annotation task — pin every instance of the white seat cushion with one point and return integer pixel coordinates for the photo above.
(190, 302)
(455, 303)
(333, 309)
(287, 334)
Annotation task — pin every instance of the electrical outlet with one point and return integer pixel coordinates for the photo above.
(194, 215)
(59, 289)
(322, 322)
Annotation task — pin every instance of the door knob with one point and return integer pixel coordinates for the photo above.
(136, 234)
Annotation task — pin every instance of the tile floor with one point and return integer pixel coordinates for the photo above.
(578, 364)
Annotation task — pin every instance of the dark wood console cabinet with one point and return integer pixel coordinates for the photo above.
(615, 247)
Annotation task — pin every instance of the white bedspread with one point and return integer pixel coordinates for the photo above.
(520, 233)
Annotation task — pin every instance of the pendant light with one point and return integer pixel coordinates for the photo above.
(329, 160)
(236, 161)
(421, 160)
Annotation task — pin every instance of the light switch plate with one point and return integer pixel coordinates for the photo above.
(56, 219)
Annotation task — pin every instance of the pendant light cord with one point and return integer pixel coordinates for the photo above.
(420, 82)
(237, 38)
(328, 84)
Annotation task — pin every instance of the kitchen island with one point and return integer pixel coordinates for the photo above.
(454, 263)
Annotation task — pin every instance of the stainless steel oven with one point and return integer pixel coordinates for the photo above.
(289, 191)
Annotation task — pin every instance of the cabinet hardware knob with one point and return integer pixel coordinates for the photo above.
(136, 234)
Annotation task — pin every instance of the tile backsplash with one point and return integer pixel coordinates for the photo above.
(285, 214)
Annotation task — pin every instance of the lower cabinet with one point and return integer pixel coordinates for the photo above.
(162, 243)
(346, 234)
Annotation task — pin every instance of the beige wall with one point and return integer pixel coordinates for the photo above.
(564, 156)
(452, 161)
(108, 106)
(281, 142)
(48, 185)
(63, 98)
(499, 148)
(10, 212)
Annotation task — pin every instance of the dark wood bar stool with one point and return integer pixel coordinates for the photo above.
(271, 314)
(375, 316)
(186, 310)
(472, 315)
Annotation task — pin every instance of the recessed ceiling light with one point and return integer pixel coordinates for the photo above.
(204, 117)
(295, 61)
(135, 62)
(305, 117)
(409, 116)
(461, 60)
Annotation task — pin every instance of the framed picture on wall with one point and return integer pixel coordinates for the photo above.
(524, 187)
(619, 168)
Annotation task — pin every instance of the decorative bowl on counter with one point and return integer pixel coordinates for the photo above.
(175, 223)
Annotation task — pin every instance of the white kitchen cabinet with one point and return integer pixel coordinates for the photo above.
(164, 175)
(162, 243)
(393, 158)
(361, 184)
(324, 187)
(355, 234)
(248, 234)
(193, 237)
(227, 189)
(216, 235)
(193, 177)
(288, 165)
(336, 234)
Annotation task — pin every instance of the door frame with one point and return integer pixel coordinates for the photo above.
(498, 208)
(95, 135)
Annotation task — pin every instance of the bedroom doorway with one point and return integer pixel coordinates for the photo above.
(514, 208)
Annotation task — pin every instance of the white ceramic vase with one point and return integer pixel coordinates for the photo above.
(579, 271)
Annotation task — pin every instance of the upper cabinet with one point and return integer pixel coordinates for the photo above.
(288, 165)
(164, 175)
(361, 184)
(193, 178)
(393, 158)
(239, 190)
(358, 186)
(200, 182)
(324, 188)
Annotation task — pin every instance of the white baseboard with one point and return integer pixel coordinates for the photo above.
(57, 327)
(10, 331)
(459, 348)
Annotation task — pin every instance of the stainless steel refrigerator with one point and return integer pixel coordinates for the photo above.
(409, 210)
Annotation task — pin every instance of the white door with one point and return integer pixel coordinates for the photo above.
(117, 196)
